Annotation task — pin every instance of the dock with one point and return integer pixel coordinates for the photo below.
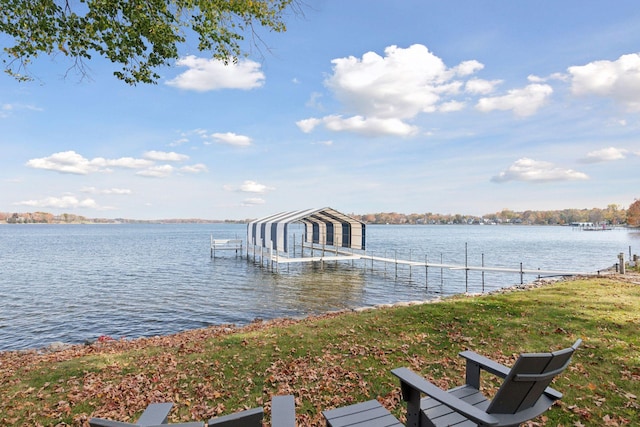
(310, 253)
(226, 245)
(328, 236)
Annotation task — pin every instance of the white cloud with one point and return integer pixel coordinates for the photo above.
(605, 155)
(382, 93)
(555, 76)
(537, 171)
(400, 85)
(65, 162)
(308, 125)
(523, 102)
(123, 162)
(6, 110)
(64, 202)
(253, 201)
(163, 156)
(250, 187)
(108, 191)
(371, 126)
(212, 74)
(232, 139)
(619, 80)
(314, 100)
(466, 68)
(481, 86)
(161, 171)
(451, 106)
(254, 187)
(197, 168)
(73, 163)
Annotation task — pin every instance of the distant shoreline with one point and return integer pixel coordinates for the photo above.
(611, 216)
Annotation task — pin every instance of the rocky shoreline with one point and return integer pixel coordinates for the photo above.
(105, 341)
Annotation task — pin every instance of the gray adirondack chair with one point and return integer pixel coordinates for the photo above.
(247, 418)
(523, 395)
(153, 416)
(282, 415)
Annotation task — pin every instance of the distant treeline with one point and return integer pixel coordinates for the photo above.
(612, 215)
(48, 218)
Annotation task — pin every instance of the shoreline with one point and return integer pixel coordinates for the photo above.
(104, 341)
(228, 329)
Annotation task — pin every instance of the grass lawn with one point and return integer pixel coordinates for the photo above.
(343, 358)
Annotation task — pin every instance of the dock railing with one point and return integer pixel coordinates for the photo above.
(226, 245)
(313, 252)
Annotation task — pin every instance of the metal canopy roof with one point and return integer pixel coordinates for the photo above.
(324, 226)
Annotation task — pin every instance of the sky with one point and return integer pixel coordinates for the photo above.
(364, 106)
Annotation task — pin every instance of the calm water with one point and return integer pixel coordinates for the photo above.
(73, 283)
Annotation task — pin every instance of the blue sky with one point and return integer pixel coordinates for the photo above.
(365, 106)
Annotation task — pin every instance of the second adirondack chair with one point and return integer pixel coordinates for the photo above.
(523, 395)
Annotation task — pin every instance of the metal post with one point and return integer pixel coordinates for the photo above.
(441, 271)
(521, 275)
(466, 270)
(274, 258)
(622, 265)
(410, 265)
(483, 273)
(396, 259)
(385, 262)
(426, 272)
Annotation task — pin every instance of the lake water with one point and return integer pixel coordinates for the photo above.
(73, 283)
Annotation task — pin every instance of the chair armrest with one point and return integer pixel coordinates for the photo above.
(487, 364)
(413, 381)
(283, 411)
(101, 422)
(246, 418)
(188, 424)
(154, 414)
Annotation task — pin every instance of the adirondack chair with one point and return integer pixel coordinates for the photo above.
(246, 418)
(523, 395)
(282, 415)
(283, 411)
(154, 415)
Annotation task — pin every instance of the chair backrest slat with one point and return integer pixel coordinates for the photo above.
(528, 379)
(246, 418)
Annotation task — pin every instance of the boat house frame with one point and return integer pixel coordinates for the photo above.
(323, 228)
